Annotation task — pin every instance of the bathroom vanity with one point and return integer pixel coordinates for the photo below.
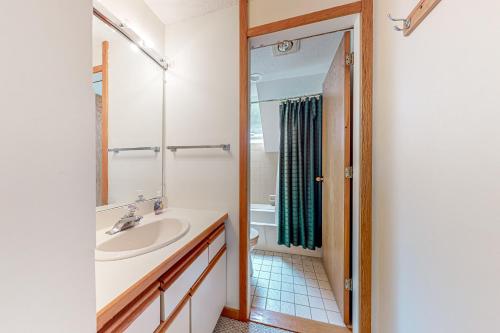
(166, 272)
(178, 288)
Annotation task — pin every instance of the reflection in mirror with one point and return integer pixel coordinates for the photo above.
(128, 89)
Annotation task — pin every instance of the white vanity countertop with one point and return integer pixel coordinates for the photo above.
(115, 277)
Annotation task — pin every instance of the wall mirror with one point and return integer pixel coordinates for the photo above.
(128, 89)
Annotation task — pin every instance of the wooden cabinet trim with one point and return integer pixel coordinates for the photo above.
(207, 271)
(216, 234)
(111, 310)
(131, 312)
(166, 324)
(173, 274)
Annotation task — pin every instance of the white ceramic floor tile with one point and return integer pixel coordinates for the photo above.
(273, 294)
(293, 284)
(287, 286)
(322, 277)
(331, 305)
(301, 299)
(274, 285)
(263, 283)
(299, 280)
(335, 318)
(261, 292)
(327, 294)
(316, 302)
(287, 297)
(276, 277)
(259, 302)
(273, 305)
(319, 315)
(265, 268)
(309, 282)
(302, 311)
(276, 269)
(311, 291)
(324, 285)
(298, 289)
(309, 275)
(288, 308)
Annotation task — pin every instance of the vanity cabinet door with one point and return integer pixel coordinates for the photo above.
(180, 324)
(216, 244)
(174, 294)
(209, 298)
(148, 321)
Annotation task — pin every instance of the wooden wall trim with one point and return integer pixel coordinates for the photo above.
(104, 126)
(314, 17)
(244, 161)
(365, 7)
(365, 200)
(231, 313)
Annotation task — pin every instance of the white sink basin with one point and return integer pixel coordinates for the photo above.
(140, 239)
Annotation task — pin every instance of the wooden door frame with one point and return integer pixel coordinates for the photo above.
(104, 69)
(365, 9)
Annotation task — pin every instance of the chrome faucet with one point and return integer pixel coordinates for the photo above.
(128, 221)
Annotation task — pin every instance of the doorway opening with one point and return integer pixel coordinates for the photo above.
(300, 166)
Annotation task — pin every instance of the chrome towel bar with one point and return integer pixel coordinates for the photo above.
(225, 147)
(117, 150)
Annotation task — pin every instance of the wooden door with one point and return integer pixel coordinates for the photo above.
(337, 185)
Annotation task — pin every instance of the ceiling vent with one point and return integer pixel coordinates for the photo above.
(286, 47)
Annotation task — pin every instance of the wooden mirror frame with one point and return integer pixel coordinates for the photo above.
(103, 68)
(365, 9)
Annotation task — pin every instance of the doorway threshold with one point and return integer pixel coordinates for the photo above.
(292, 323)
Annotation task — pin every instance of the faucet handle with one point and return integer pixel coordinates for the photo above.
(132, 208)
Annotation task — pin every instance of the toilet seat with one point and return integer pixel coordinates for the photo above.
(254, 237)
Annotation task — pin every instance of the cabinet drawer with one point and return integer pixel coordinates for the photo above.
(148, 320)
(209, 298)
(216, 244)
(180, 324)
(173, 295)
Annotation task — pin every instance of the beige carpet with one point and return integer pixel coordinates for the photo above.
(226, 325)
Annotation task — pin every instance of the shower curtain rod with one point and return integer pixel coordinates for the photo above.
(301, 38)
(286, 98)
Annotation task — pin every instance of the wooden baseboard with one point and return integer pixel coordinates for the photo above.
(292, 323)
(231, 313)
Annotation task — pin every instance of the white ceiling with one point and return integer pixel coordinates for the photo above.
(172, 11)
(314, 57)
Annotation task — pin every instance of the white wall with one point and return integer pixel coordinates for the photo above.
(202, 108)
(137, 15)
(436, 170)
(265, 11)
(263, 172)
(47, 179)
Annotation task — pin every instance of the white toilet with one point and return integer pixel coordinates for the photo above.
(254, 238)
